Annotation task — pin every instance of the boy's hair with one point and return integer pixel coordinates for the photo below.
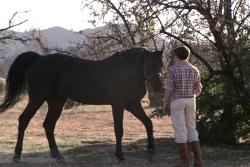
(182, 52)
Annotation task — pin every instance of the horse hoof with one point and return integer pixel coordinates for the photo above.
(16, 159)
(120, 157)
(57, 157)
(151, 150)
(61, 161)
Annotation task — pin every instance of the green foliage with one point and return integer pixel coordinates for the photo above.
(218, 37)
(157, 113)
(220, 115)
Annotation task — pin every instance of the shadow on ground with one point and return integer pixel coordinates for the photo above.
(101, 154)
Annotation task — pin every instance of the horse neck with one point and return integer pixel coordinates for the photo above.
(138, 64)
(135, 61)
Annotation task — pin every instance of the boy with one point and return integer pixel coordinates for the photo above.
(182, 86)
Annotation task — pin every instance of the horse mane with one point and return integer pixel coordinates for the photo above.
(129, 54)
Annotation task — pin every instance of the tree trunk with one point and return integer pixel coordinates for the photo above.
(224, 130)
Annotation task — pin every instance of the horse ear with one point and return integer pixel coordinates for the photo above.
(162, 48)
(161, 52)
(163, 45)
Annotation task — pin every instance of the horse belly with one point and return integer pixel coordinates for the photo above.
(89, 96)
(87, 90)
(91, 100)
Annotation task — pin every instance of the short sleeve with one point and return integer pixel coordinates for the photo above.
(197, 84)
(169, 84)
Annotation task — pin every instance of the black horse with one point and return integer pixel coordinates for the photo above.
(118, 81)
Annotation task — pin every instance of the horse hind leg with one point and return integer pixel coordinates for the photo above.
(137, 110)
(24, 119)
(55, 109)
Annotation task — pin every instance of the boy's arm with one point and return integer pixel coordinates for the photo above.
(166, 102)
(197, 86)
(169, 86)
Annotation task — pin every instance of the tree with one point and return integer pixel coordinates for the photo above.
(11, 24)
(6, 35)
(125, 22)
(217, 33)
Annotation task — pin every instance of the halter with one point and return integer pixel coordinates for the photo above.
(151, 75)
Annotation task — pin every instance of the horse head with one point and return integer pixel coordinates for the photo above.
(152, 69)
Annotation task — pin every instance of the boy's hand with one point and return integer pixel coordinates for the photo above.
(166, 108)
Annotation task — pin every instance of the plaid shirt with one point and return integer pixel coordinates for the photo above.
(183, 80)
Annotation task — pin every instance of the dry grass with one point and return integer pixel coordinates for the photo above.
(85, 136)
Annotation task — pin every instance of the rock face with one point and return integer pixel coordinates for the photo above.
(42, 41)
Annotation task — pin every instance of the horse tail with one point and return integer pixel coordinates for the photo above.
(16, 80)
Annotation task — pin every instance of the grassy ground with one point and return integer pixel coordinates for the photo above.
(85, 138)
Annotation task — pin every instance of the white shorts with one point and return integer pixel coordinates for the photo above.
(183, 116)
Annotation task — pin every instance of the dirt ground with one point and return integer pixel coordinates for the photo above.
(85, 137)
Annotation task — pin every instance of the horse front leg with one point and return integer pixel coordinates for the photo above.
(118, 111)
(137, 110)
